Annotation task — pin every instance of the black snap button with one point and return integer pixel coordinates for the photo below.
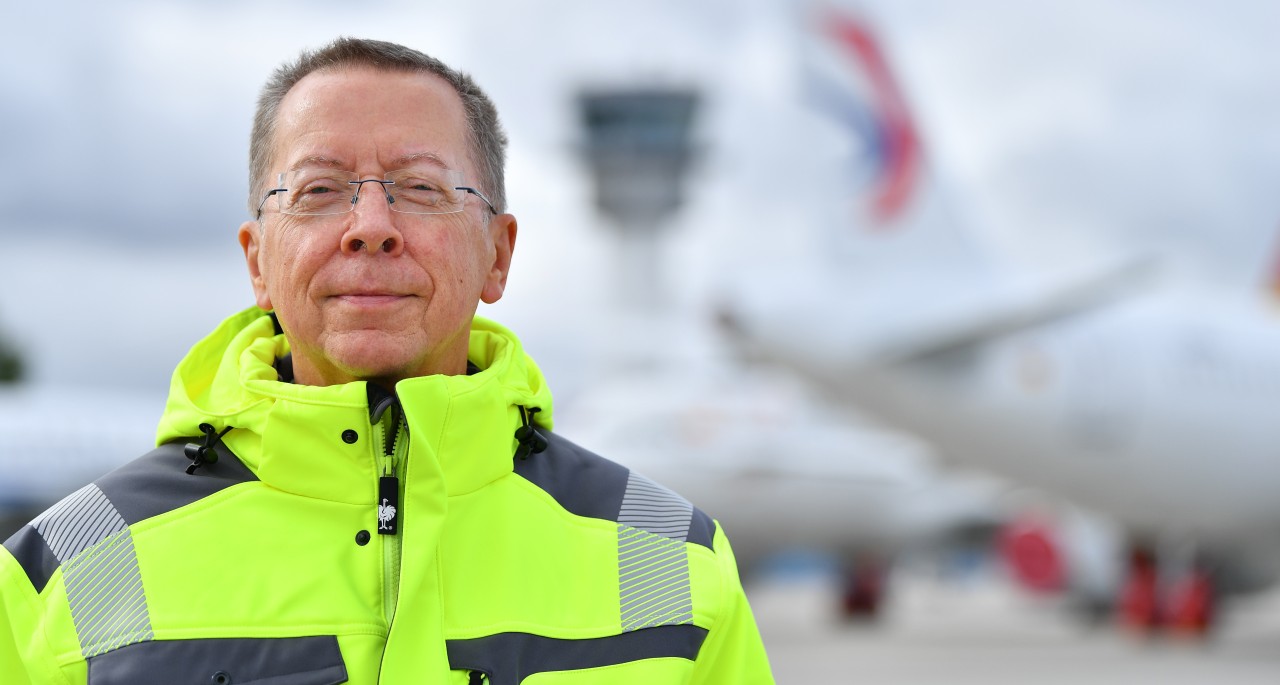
(349, 436)
(221, 678)
(362, 538)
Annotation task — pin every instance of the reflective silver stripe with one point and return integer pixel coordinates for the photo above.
(653, 563)
(653, 508)
(104, 589)
(99, 568)
(653, 580)
(83, 518)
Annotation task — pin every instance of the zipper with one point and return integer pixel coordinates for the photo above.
(393, 434)
(389, 476)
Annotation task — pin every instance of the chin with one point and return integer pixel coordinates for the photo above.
(374, 359)
(380, 369)
(394, 355)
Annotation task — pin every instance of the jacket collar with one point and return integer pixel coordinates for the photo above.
(462, 427)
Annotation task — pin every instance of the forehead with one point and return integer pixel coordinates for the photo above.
(365, 119)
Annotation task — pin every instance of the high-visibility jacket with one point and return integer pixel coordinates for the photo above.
(299, 535)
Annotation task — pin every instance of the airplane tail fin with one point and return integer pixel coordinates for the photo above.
(847, 74)
(888, 203)
(897, 273)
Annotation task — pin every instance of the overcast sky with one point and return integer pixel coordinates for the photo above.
(1051, 126)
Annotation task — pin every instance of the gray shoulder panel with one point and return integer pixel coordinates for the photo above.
(151, 485)
(581, 481)
(510, 658)
(586, 484)
(158, 482)
(313, 660)
(34, 555)
(702, 529)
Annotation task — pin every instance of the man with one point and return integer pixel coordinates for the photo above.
(357, 479)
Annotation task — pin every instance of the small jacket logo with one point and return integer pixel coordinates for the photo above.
(386, 514)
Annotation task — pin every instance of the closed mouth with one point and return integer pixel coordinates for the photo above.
(370, 297)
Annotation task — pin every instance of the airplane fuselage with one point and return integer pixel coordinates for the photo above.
(1160, 411)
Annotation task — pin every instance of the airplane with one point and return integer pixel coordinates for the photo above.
(1149, 399)
(54, 439)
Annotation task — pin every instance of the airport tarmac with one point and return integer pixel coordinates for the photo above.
(989, 632)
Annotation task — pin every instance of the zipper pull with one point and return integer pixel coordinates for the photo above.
(389, 482)
(388, 505)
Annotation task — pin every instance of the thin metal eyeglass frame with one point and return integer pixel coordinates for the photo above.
(383, 183)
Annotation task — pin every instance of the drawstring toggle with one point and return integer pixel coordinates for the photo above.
(204, 453)
(531, 441)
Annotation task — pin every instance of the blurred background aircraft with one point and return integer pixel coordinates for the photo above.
(1060, 130)
(1148, 396)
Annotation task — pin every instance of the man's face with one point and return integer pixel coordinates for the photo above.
(374, 294)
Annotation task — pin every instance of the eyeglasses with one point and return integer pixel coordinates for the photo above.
(323, 192)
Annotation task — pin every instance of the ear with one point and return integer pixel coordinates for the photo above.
(250, 238)
(502, 230)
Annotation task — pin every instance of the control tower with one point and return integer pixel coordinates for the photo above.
(637, 146)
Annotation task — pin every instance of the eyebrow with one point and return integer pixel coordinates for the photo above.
(398, 163)
(316, 160)
(429, 157)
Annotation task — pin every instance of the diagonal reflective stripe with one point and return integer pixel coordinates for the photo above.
(653, 562)
(104, 590)
(653, 580)
(664, 599)
(632, 571)
(87, 536)
(80, 520)
(659, 576)
(672, 612)
(54, 525)
(99, 569)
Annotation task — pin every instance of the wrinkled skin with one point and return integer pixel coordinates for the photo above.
(373, 294)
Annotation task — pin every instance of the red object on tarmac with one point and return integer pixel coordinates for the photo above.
(863, 591)
(1191, 605)
(1029, 548)
(1139, 603)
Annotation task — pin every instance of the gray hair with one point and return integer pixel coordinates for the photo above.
(488, 142)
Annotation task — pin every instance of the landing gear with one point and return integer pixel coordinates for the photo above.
(1191, 604)
(1182, 604)
(863, 591)
(1138, 608)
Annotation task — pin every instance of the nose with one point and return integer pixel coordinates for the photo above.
(371, 225)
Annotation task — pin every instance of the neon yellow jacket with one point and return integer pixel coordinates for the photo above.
(266, 562)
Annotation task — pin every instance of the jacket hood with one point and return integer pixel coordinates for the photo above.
(229, 378)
